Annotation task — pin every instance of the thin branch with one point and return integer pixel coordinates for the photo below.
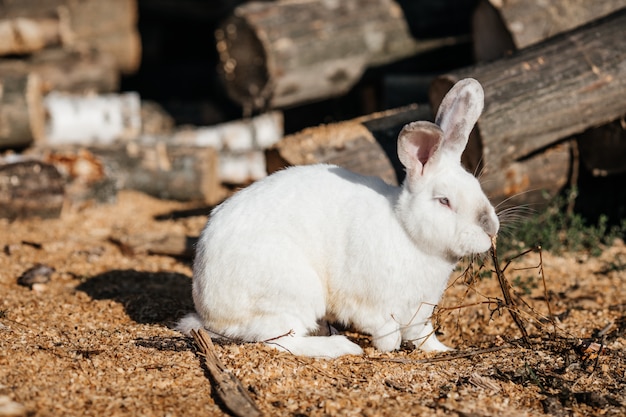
(228, 388)
(505, 287)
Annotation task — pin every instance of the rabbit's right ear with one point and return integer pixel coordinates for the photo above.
(458, 113)
(417, 143)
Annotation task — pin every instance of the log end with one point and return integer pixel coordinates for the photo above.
(243, 63)
(30, 189)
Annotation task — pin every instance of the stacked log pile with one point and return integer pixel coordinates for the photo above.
(60, 68)
(277, 54)
(553, 74)
(538, 98)
(558, 72)
(64, 45)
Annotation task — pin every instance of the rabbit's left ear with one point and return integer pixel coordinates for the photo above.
(417, 143)
(458, 113)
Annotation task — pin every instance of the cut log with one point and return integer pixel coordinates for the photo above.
(544, 94)
(166, 171)
(154, 167)
(282, 53)
(92, 119)
(255, 133)
(501, 25)
(242, 167)
(107, 26)
(67, 71)
(30, 189)
(22, 116)
(155, 120)
(352, 144)
(124, 46)
(23, 35)
(240, 144)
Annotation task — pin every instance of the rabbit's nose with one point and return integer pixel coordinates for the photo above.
(488, 221)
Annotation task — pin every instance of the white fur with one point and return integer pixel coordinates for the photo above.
(319, 241)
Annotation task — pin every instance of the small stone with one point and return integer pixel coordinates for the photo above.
(38, 274)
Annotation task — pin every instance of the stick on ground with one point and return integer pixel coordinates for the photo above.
(229, 389)
(508, 300)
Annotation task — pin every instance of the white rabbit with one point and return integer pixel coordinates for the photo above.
(315, 242)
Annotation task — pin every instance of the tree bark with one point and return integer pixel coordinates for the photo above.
(163, 170)
(277, 54)
(22, 116)
(92, 119)
(23, 35)
(545, 93)
(527, 22)
(65, 70)
(241, 144)
(83, 24)
(30, 189)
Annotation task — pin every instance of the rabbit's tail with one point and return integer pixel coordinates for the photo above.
(188, 323)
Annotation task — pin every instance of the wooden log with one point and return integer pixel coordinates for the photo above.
(30, 8)
(352, 144)
(545, 93)
(520, 23)
(154, 167)
(23, 35)
(30, 188)
(241, 145)
(254, 133)
(67, 70)
(282, 53)
(242, 167)
(106, 26)
(529, 181)
(92, 119)
(22, 116)
(155, 120)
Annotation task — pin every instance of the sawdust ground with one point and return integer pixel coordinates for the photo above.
(95, 340)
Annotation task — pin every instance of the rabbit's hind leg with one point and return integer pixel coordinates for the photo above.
(316, 346)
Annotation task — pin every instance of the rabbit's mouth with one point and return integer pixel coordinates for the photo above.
(488, 221)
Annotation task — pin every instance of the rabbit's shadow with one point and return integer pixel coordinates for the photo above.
(148, 297)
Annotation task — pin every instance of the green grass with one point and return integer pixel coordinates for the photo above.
(559, 229)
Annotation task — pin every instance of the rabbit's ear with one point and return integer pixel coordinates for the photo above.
(458, 113)
(417, 143)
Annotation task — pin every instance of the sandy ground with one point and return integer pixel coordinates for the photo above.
(95, 338)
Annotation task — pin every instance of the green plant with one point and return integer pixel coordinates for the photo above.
(525, 284)
(559, 228)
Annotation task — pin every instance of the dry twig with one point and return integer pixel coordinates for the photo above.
(508, 300)
(444, 357)
(227, 386)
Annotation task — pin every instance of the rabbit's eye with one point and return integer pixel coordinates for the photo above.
(444, 201)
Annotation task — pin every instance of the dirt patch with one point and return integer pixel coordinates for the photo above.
(93, 337)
